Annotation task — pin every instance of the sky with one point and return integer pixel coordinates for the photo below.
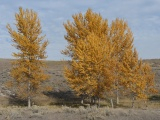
(143, 17)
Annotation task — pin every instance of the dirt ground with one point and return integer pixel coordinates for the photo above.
(81, 113)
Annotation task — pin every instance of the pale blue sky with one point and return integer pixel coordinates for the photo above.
(143, 17)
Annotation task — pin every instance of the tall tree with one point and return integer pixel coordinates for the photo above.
(102, 57)
(122, 39)
(27, 69)
(79, 36)
(132, 79)
(118, 35)
(138, 77)
(91, 74)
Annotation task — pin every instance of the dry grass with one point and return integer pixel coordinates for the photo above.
(81, 113)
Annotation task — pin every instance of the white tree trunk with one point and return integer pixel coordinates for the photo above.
(133, 99)
(117, 92)
(29, 89)
(146, 105)
(112, 103)
(82, 101)
(29, 102)
(117, 96)
(98, 102)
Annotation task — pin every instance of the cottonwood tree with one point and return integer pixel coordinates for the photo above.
(79, 32)
(90, 41)
(118, 35)
(81, 27)
(138, 77)
(122, 40)
(149, 78)
(148, 75)
(91, 73)
(132, 80)
(27, 70)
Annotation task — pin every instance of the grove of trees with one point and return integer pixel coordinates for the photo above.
(103, 58)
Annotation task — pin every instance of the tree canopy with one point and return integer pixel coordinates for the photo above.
(103, 57)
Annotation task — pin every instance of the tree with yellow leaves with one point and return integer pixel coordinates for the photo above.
(27, 69)
(132, 79)
(88, 54)
(122, 40)
(91, 73)
(149, 78)
(82, 26)
(118, 35)
(90, 41)
(137, 76)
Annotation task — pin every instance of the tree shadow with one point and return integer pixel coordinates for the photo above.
(17, 101)
(154, 98)
(67, 98)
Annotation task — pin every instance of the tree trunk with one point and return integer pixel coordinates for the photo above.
(98, 102)
(117, 92)
(29, 89)
(92, 100)
(146, 105)
(82, 101)
(117, 96)
(29, 97)
(112, 103)
(133, 99)
(29, 102)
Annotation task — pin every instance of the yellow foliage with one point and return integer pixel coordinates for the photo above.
(103, 58)
(82, 26)
(139, 78)
(27, 69)
(89, 74)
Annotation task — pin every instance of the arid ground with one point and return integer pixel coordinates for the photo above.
(62, 104)
(81, 113)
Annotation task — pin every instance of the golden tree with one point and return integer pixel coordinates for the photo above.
(80, 33)
(148, 75)
(118, 35)
(91, 72)
(81, 27)
(90, 41)
(27, 69)
(138, 77)
(122, 40)
(132, 79)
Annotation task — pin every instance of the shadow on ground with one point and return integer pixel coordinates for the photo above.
(67, 98)
(154, 98)
(60, 98)
(17, 102)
